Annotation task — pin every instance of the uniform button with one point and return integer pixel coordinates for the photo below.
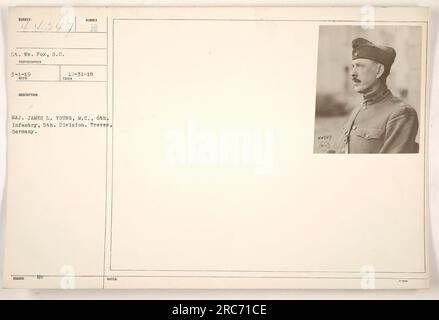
(364, 108)
(367, 136)
(354, 127)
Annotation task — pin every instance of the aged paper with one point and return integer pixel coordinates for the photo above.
(217, 148)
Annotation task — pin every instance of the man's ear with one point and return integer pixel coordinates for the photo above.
(379, 70)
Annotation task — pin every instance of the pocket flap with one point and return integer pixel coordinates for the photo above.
(370, 133)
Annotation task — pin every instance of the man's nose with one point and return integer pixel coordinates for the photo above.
(354, 72)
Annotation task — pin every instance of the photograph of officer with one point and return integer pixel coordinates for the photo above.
(382, 123)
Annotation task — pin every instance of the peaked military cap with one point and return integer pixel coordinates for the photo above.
(362, 48)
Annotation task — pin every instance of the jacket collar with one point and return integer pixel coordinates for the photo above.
(377, 95)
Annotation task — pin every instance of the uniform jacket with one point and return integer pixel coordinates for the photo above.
(382, 124)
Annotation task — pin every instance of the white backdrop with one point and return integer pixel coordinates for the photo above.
(432, 293)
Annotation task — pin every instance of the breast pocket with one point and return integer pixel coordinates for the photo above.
(367, 140)
(370, 134)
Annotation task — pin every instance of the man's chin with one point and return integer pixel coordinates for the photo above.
(358, 88)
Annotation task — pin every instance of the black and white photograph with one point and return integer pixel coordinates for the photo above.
(180, 152)
(368, 89)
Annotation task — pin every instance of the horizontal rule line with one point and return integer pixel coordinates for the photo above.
(265, 271)
(258, 277)
(264, 20)
(61, 64)
(66, 81)
(54, 275)
(31, 31)
(30, 48)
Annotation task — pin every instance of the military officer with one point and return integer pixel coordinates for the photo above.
(383, 123)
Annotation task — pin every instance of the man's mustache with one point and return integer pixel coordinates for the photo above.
(356, 80)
